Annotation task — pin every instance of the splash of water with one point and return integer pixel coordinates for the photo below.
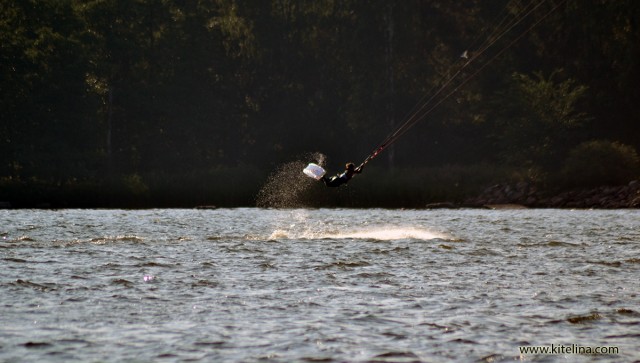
(393, 233)
(288, 187)
(378, 234)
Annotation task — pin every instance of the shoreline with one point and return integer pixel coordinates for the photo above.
(528, 196)
(521, 195)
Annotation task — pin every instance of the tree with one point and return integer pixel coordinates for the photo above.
(601, 162)
(43, 102)
(537, 124)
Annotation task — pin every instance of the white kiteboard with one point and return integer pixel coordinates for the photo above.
(314, 171)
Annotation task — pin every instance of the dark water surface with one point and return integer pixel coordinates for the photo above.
(317, 285)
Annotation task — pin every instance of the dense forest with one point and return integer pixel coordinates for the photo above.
(139, 103)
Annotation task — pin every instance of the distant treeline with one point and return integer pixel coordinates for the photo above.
(179, 103)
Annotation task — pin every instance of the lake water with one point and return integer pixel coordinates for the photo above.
(317, 285)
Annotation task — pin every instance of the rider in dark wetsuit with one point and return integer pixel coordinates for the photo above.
(338, 180)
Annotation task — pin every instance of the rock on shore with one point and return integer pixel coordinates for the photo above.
(526, 194)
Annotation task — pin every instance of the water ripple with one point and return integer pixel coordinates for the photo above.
(316, 285)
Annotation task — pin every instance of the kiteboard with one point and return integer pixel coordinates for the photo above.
(314, 171)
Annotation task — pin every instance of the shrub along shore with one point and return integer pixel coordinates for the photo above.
(442, 187)
(527, 195)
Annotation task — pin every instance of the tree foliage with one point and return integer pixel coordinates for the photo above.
(102, 90)
(601, 162)
(540, 115)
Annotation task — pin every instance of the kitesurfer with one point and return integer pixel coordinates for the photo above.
(338, 180)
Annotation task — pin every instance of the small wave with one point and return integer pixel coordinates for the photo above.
(317, 359)
(267, 265)
(215, 343)
(396, 356)
(110, 239)
(204, 283)
(122, 282)
(279, 234)
(607, 263)
(484, 252)
(36, 344)
(581, 319)
(389, 251)
(154, 264)
(35, 286)
(494, 357)
(375, 275)
(18, 260)
(561, 244)
(625, 311)
(167, 356)
(623, 336)
(17, 239)
(232, 237)
(342, 265)
(463, 341)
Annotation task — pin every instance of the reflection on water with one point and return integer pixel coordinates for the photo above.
(316, 285)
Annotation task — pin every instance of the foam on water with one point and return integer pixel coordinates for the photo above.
(378, 233)
(393, 233)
